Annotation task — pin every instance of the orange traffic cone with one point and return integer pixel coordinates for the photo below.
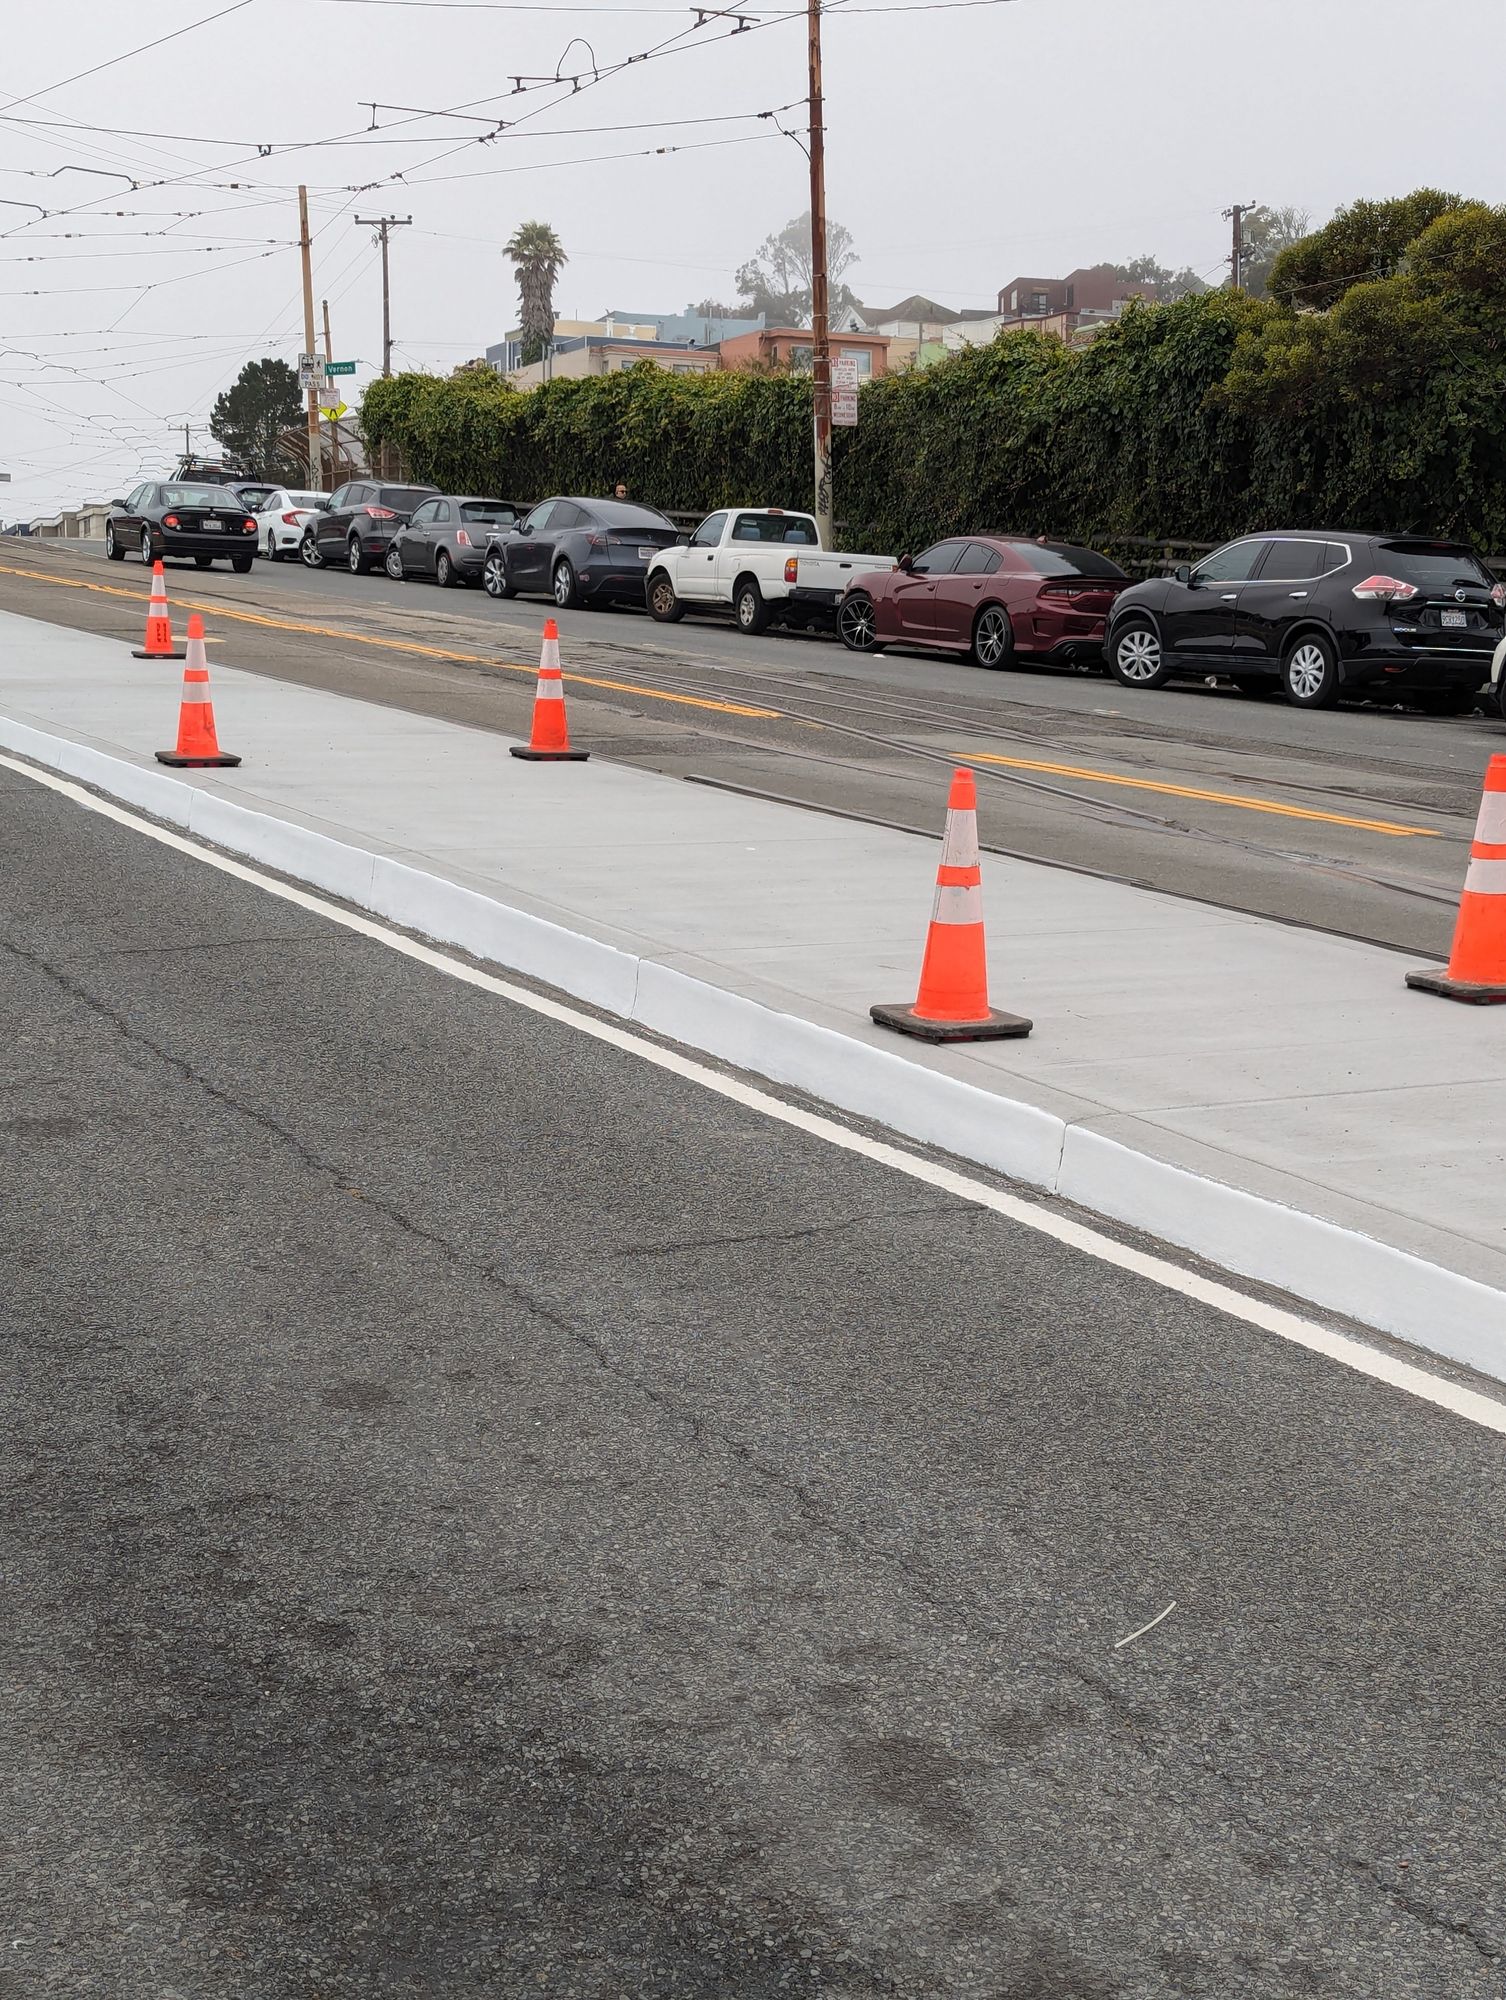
(952, 1005)
(1477, 962)
(158, 644)
(550, 741)
(197, 742)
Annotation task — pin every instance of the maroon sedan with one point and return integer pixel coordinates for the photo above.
(994, 597)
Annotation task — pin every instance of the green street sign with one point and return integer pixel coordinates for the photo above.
(339, 368)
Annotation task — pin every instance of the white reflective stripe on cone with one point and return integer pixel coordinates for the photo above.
(551, 654)
(196, 690)
(959, 845)
(1490, 827)
(549, 691)
(1486, 878)
(958, 906)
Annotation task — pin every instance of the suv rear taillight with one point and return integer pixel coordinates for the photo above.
(1385, 589)
(1498, 596)
(596, 541)
(791, 568)
(380, 513)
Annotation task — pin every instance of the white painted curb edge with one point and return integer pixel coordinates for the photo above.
(1367, 1280)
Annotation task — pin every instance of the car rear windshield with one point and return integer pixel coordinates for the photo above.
(305, 499)
(775, 528)
(487, 510)
(1061, 559)
(617, 514)
(1433, 565)
(404, 498)
(201, 496)
(255, 496)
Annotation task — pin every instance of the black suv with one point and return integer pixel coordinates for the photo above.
(1318, 613)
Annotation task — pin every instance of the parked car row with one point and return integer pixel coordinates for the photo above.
(1314, 615)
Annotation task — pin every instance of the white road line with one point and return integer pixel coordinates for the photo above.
(1374, 1362)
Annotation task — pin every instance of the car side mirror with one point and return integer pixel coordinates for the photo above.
(906, 562)
(683, 538)
(118, 505)
(1183, 574)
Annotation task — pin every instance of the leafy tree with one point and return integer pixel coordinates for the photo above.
(713, 309)
(537, 255)
(777, 280)
(251, 415)
(1169, 285)
(1267, 233)
(1366, 240)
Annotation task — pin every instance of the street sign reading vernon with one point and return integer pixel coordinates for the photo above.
(339, 368)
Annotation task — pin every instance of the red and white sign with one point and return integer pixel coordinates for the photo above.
(844, 390)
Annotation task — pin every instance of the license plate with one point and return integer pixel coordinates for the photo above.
(214, 526)
(647, 555)
(1455, 618)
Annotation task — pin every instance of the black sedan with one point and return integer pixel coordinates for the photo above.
(1318, 613)
(447, 538)
(174, 517)
(578, 551)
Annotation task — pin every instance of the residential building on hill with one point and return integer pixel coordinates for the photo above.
(790, 347)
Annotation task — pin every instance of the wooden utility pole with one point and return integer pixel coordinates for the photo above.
(308, 332)
(1237, 215)
(820, 326)
(334, 422)
(384, 225)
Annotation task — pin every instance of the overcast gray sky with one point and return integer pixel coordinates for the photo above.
(968, 141)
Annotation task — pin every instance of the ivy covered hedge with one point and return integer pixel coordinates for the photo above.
(1196, 421)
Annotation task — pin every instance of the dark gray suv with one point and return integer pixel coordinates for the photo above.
(354, 529)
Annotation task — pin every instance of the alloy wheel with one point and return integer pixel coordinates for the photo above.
(992, 640)
(857, 624)
(394, 564)
(146, 547)
(493, 576)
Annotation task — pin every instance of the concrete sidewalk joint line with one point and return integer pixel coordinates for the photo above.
(1487, 1412)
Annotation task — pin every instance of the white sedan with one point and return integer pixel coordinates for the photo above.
(281, 519)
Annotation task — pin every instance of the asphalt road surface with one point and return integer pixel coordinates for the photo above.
(486, 1516)
(1357, 820)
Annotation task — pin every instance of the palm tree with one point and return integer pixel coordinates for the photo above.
(537, 255)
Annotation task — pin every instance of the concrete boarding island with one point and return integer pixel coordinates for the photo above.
(1270, 1098)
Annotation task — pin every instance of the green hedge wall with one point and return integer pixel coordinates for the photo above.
(1193, 421)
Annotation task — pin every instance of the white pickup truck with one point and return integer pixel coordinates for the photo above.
(763, 565)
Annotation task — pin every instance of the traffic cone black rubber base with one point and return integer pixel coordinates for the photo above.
(139, 653)
(1457, 989)
(547, 756)
(196, 763)
(994, 1027)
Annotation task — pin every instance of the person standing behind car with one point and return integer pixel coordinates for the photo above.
(619, 491)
